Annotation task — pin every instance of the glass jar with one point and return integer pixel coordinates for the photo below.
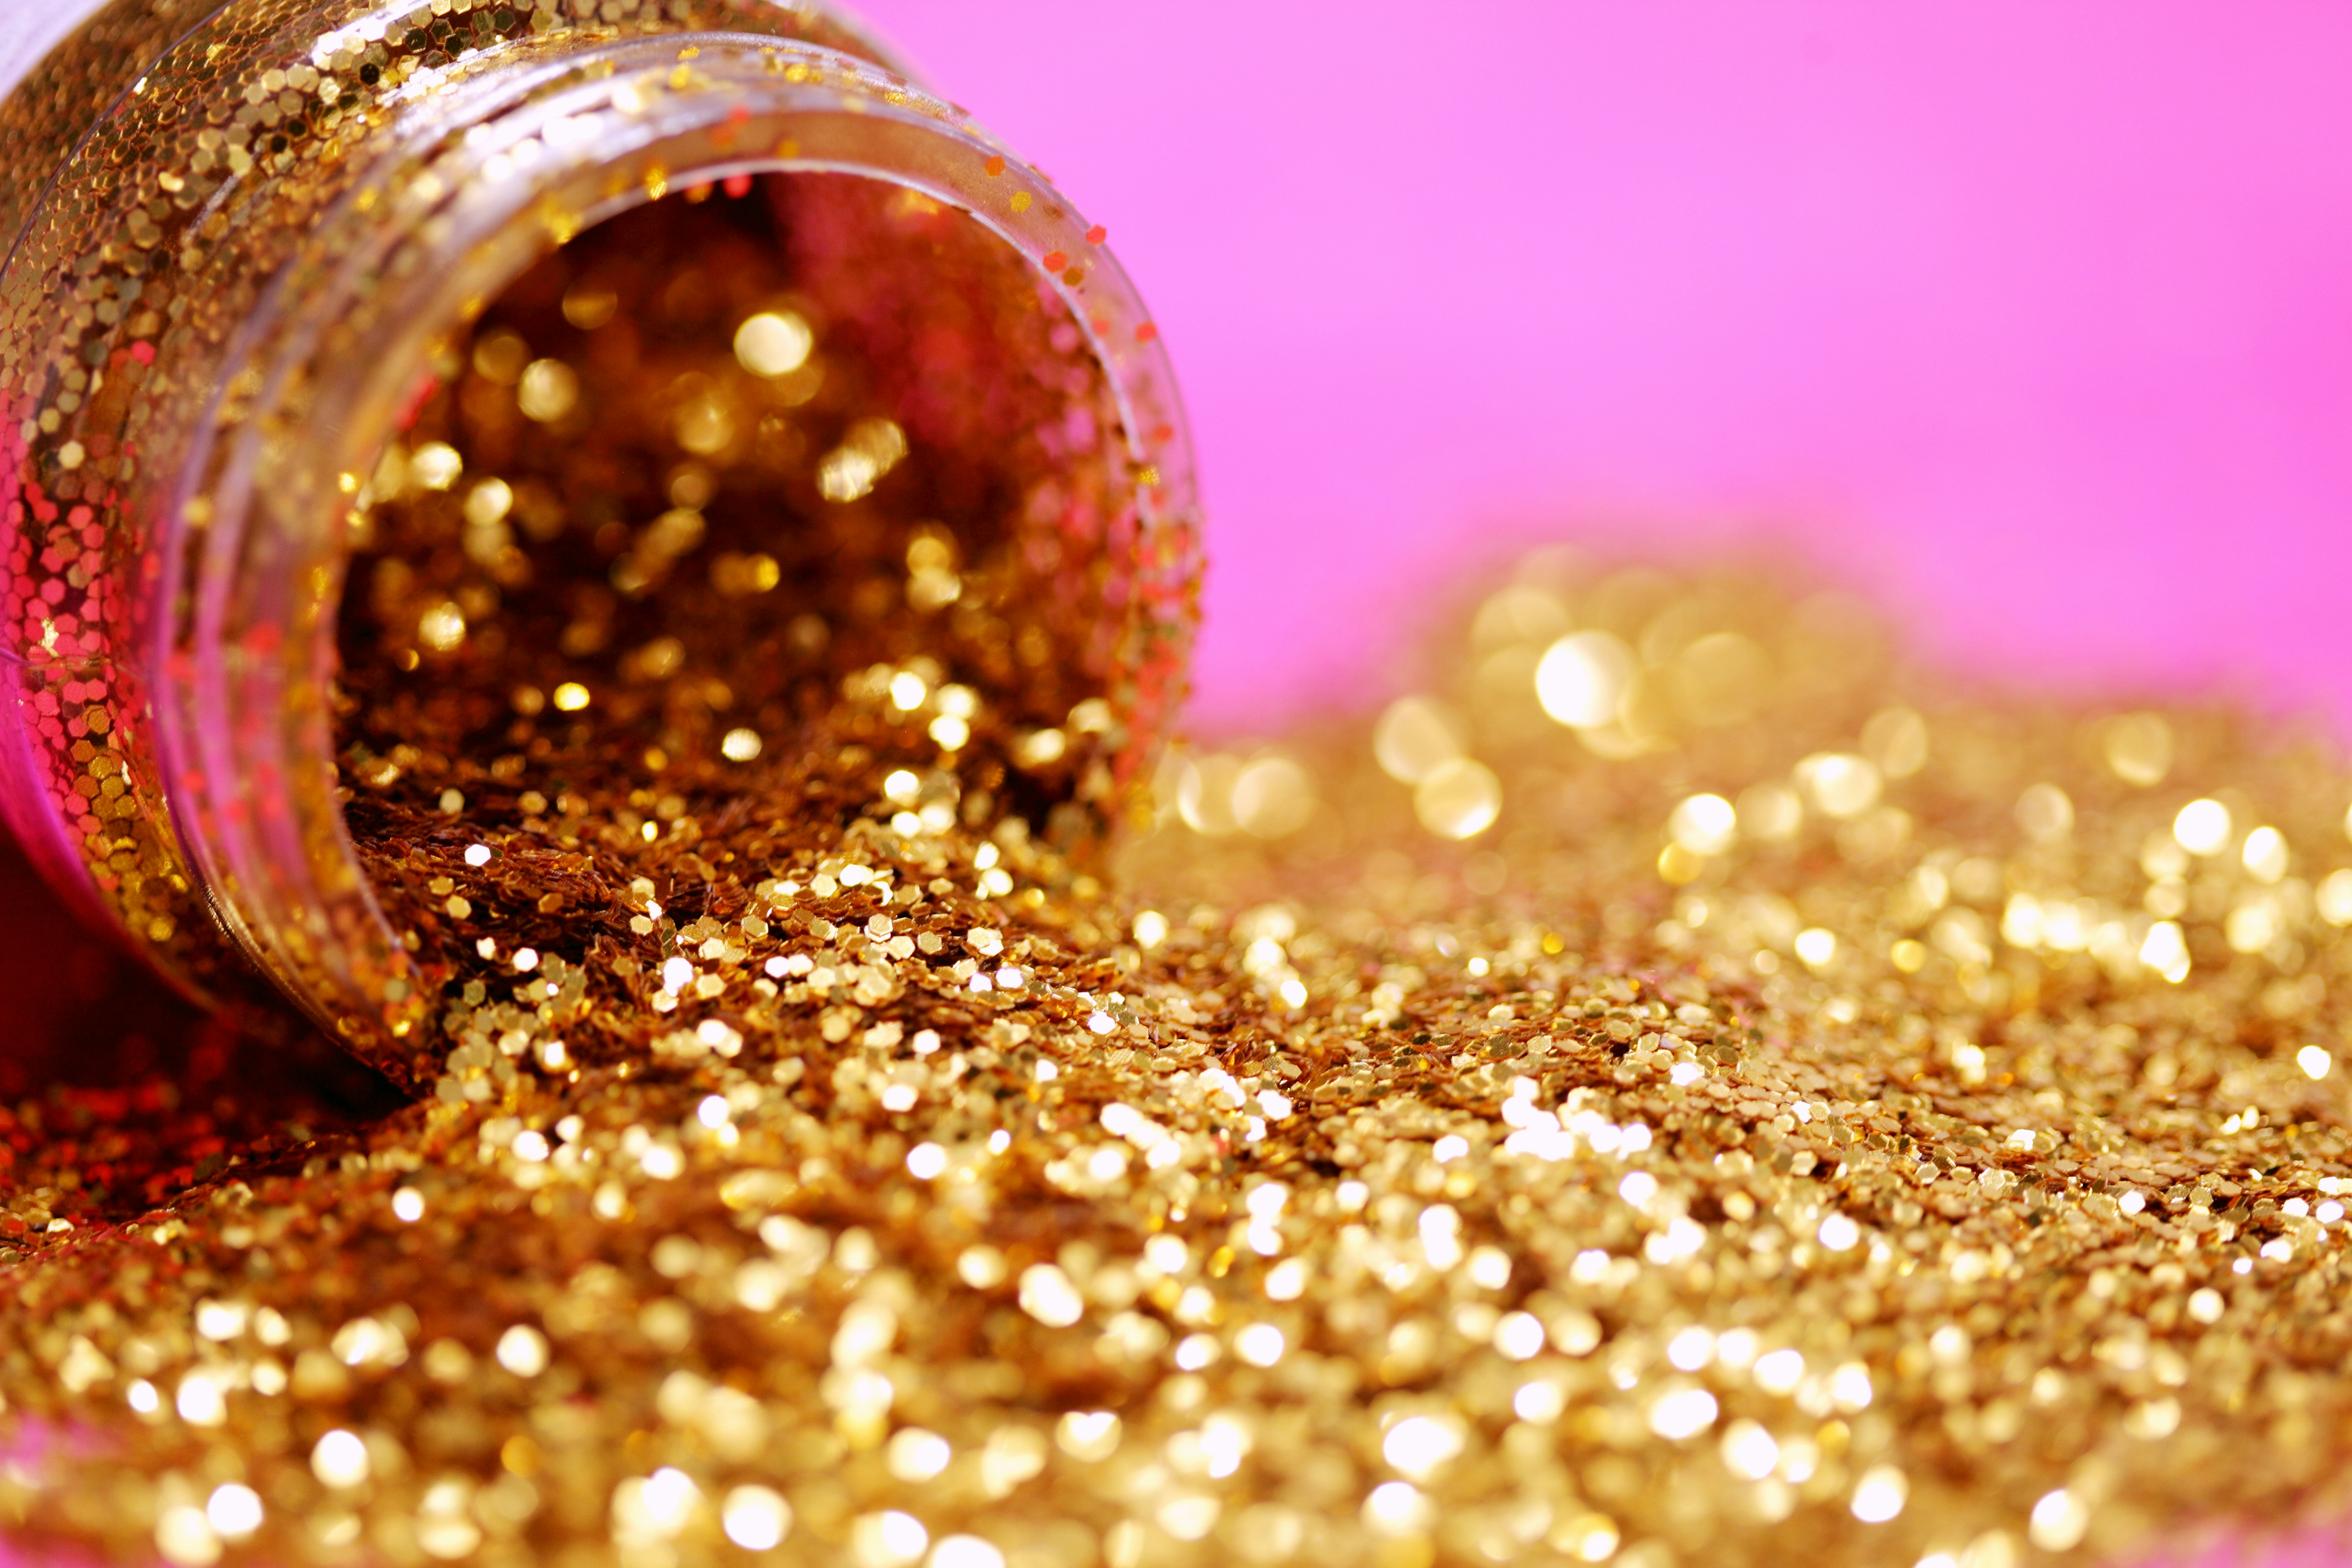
(238, 236)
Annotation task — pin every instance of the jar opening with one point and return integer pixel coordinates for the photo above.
(765, 519)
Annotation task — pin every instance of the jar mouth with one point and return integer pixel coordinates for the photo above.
(356, 336)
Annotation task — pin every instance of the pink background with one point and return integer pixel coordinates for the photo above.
(2035, 317)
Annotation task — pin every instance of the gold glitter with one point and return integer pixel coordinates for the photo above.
(435, 466)
(442, 626)
(1760, 1216)
(1789, 1112)
(588, 306)
(548, 391)
(1581, 678)
(1459, 798)
(871, 449)
(773, 342)
(2202, 827)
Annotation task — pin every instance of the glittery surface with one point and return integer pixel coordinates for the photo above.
(1815, 1111)
(1680, 1087)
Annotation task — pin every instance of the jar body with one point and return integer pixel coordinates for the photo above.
(244, 231)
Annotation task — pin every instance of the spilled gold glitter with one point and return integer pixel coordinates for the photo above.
(1824, 1115)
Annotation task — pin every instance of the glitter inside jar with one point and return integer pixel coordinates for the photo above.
(760, 482)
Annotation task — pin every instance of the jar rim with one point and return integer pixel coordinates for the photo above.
(515, 161)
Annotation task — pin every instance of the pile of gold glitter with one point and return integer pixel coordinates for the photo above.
(1680, 1091)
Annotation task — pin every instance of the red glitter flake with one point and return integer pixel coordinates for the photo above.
(426, 384)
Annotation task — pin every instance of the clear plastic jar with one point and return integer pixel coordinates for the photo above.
(236, 239)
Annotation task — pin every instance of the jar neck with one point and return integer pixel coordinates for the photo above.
(481, 153)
